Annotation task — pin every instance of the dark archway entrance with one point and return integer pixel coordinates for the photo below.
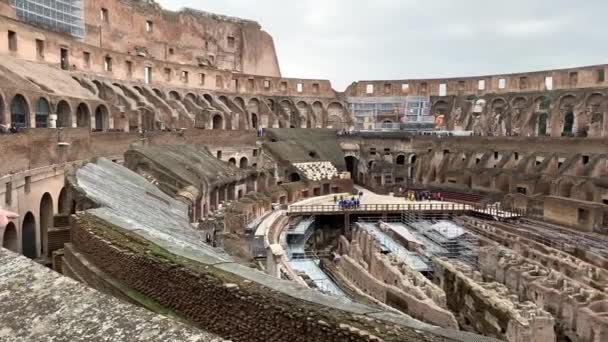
(83, 116)
(19, 112)
(352, 166)
(294, 177)
(102, 122)
(400, 160)
(568, 124)
(542, 124)
(46, 221)
(28, 236)
(10, 240)
(218, 122)
(244, 163)
(254, 121)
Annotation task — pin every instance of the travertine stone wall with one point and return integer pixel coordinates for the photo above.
(490, 308)
(219, 300)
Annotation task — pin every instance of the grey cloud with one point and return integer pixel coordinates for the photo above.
(349, 40)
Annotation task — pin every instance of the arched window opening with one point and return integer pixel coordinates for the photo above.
(64, 115)
(83, 116)
(19, 112)
(42, 113)
(243, 163)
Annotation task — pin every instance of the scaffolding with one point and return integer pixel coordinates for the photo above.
(63, 16)
(442, 237)
(392, 112)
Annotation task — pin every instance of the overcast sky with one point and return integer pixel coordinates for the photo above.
(350, 40)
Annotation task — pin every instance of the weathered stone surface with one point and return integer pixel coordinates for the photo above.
(37, 304)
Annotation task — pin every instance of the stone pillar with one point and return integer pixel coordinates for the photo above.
(53, 120)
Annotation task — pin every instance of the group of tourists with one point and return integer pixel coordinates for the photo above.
(423, 195)
(352, 203)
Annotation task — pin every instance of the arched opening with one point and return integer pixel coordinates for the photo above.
(352, 165)
(102, 119)
(63, 204)
(64, 114)
(542, 124)
(254, 121)
(335, 115)
(191, 97)
(46, 221)
(10, 240)
(568, 123)
(43, 109)
(440, 110)
(244, 163)
(83, 116)
(294, 177)
(232, 161)
(158, 93)
(28, 236)
(173, 95)
(208, 98)
(19, 112)
(240, 102)
(565, 189)
(218, 122)
(400, 160)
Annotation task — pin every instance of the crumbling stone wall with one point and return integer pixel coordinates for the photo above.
(489, 308)
(219, 301)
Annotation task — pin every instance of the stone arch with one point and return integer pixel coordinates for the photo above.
(141, 91)
(217, 122)
(156, 91)
(223, 99)
(10, 239)
(335, 115)
(43, 110)
(232, 161)
(174, 95)
(352, 166)
(46, 221)
(64, 114)
(305, 110)
(63, 203)
(568, 126)
(542, 121)
(102, 118)
(208, 98)
(400, 160)
(240, 102)
(28, 236)
(243, 163)
(20, 112)
(83, 115)
(294, 177)
(191, 97)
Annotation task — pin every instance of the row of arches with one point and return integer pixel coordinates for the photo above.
(26, 239)
(20, 114)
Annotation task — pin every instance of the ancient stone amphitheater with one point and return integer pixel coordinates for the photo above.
(160, 181)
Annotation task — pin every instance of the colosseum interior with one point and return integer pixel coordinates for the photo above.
(161, 181)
